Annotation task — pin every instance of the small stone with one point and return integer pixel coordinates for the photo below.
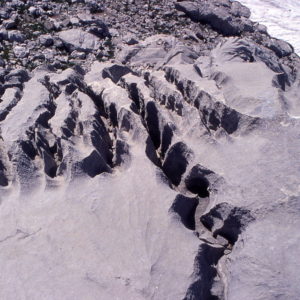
(130, 40)
(34, 11)
(16, 36)
(20, 51)
(74, 21)
(46, 40)
(49, 25)
(49, 54)
(9, 24)
(77, 39)
(261, 28)
(78, 54)
(281, 48)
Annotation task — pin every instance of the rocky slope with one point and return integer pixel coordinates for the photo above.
(149, 150)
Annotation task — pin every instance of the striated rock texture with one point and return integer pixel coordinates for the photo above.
(154, 155)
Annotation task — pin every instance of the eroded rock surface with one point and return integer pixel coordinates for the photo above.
(167, 170)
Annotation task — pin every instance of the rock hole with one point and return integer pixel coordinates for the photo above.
(102, 141)
(113, 114)
(205, 274)
(98, 101)
(230, 120)
(94, 164)
(134, 94)
(28, 149)
(234, 224)
(167, 136)
(3, 179)
(197, 182)
(152, 122)
(50, 166)
(227, 221)
(198, 186)
(151, 152)
(176, 162)
(185, 207)
(121, 153)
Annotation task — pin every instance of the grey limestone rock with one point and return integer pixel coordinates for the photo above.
(147, 153)
(224, 16)
(46, 40)
(77, 39)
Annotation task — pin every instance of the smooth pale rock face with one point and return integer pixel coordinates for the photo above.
(169, 172)
(77, 39)
(245, 274)
(120, 170)
(248, 88)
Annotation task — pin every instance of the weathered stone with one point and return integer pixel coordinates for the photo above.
(77, 39)
(168, 171)
(20, 51)
(46, 40)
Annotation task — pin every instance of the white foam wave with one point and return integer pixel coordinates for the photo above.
(282, 17)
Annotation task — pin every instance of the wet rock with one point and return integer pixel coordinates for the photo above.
(281, 48)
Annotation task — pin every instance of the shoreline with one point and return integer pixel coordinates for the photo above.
(286, 32)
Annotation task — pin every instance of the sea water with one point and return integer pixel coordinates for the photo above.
(282, 17)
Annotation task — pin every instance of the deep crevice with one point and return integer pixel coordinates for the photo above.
(197, 181)
(233, 219)
(166, 140)
(94, 164)
(152, 122)
(205, 273)
(185, 207)
(3, 178)
(176, 162)
(28, 149)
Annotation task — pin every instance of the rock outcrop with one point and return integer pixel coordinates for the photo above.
(140, 164)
